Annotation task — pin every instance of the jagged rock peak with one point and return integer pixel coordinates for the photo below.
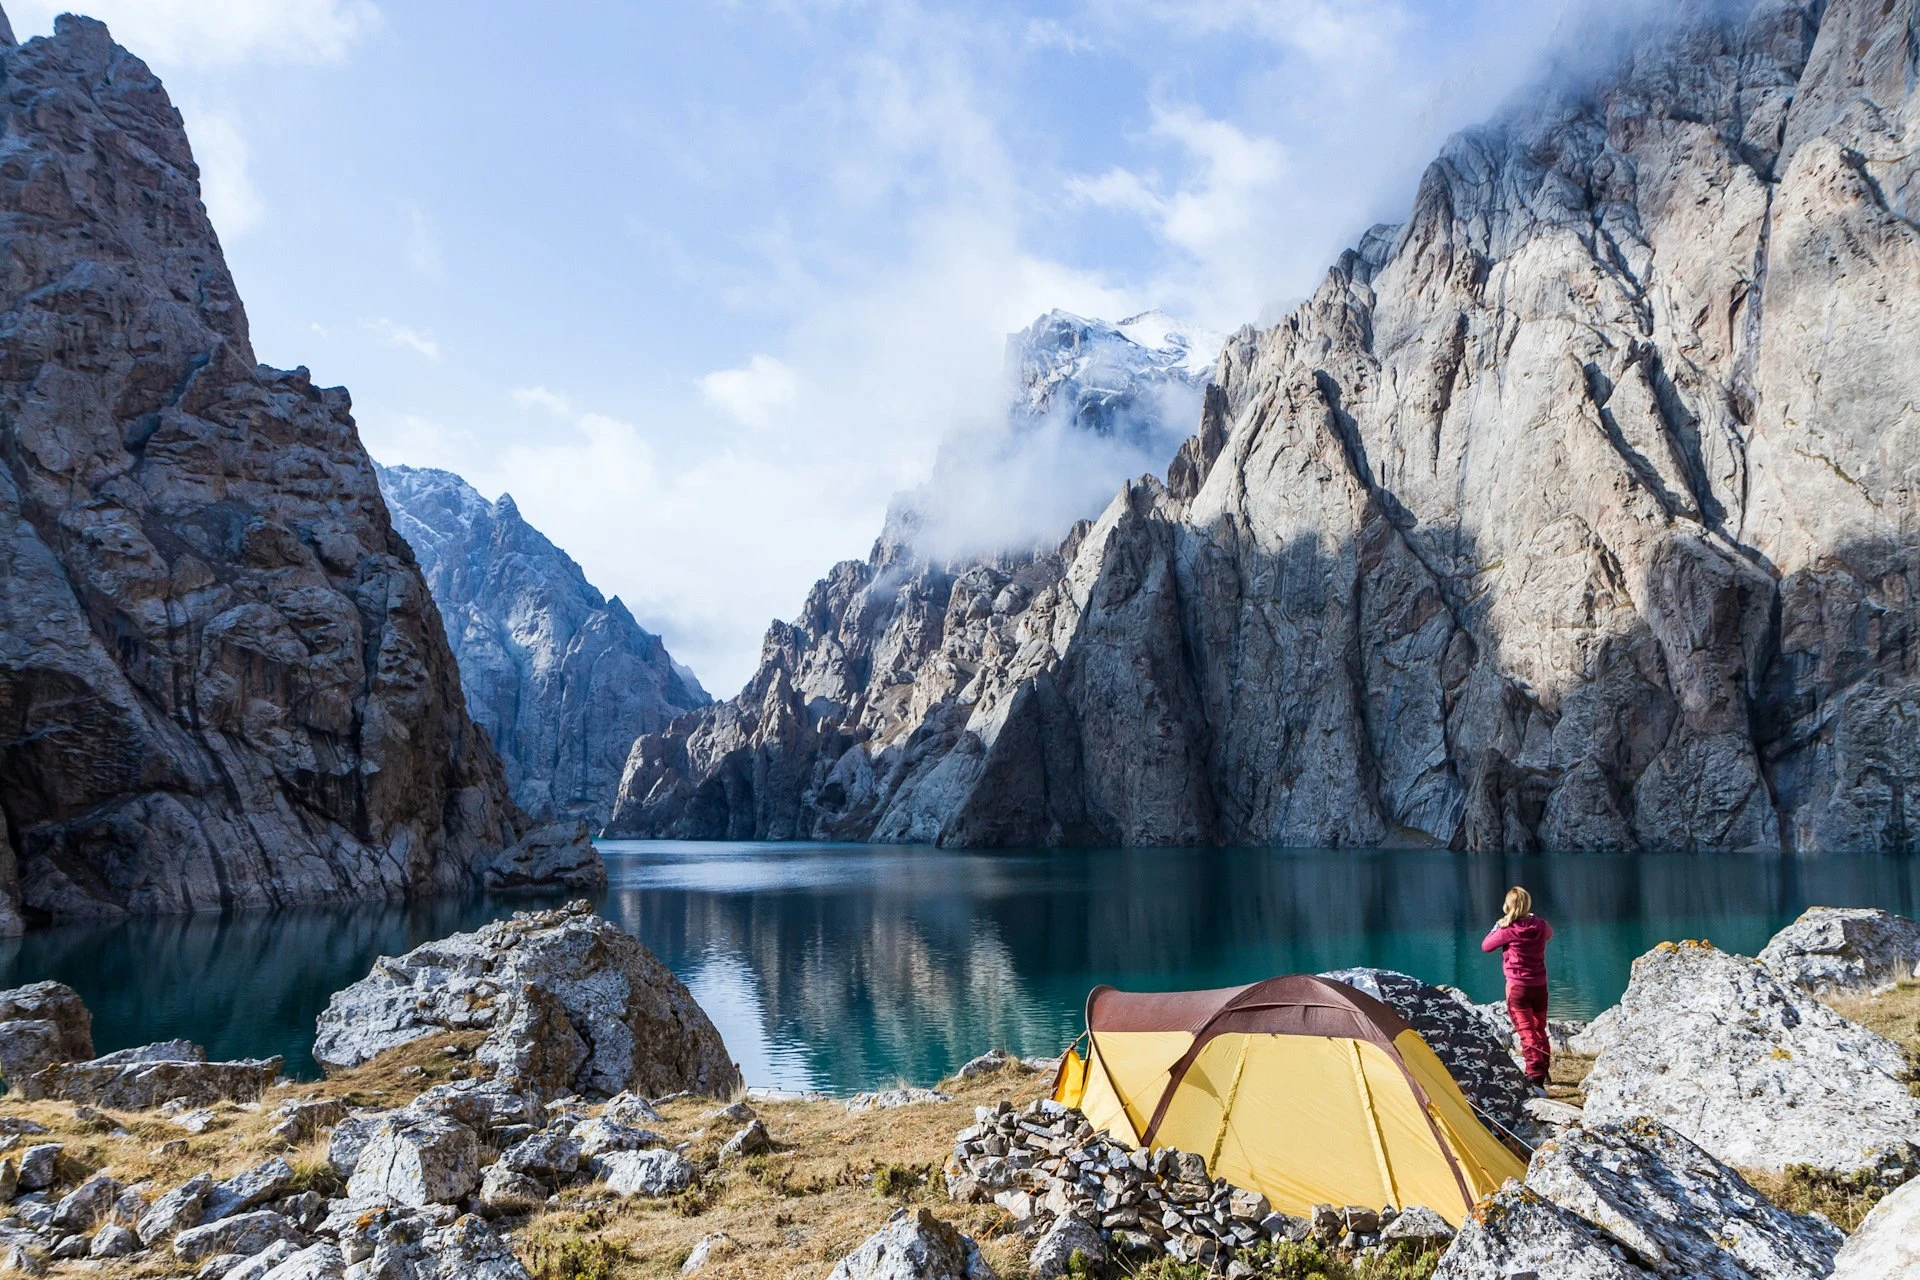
(562, 678)
(222, 680)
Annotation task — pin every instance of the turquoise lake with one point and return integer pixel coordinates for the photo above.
(843, 967)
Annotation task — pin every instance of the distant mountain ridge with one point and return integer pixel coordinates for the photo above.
(1578, 511)
(562, 678)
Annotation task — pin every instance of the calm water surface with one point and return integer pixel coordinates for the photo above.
(845, 967)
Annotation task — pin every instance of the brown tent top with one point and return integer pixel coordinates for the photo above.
(1297, 1005)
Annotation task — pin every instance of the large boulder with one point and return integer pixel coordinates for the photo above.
(1844, 950)
(315, 1262)
(41, 1024)
(573, 1004)
(416, 1158)
(249, 1190)
(1678, 1210)
(558, 855)
(1757, 1073)
(1887, 1245)
(176, 1211)
(1517, 1232)
(914, 1245)
(1068, 1238)
(144, 1078)
(645, 1173)
(1474, 1052)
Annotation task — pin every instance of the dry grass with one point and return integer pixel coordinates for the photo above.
(1894, 1014)
(832, 1181)
(1844, 1199)
(1567, 1077)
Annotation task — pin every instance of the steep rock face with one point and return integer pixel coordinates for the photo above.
(1575, 512)
(222, 680)
(561, 678)
(859, 721)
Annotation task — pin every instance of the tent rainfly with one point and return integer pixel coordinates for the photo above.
(1301, 1088)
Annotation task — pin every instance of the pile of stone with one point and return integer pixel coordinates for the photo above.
(172, 1073)
(206, 1221)
(1045, 1165)
(422, 1179)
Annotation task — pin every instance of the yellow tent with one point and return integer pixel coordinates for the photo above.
(1301, 1088)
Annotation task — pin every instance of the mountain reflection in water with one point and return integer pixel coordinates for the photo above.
(848, 967)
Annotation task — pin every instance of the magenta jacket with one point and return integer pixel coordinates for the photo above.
(1525, 961)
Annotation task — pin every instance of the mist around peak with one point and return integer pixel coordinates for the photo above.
(1090, 405)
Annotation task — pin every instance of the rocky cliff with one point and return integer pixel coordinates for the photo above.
(845, 730)
(222, 679)
(561, 678)
(1576, 511)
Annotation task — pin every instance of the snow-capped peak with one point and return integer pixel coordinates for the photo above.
(1155, 330)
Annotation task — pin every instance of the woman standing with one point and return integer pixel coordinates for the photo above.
(1524, 936)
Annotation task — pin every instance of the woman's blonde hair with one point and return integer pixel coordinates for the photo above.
(1519, 903)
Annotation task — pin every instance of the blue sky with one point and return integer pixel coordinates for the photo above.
(703, 284)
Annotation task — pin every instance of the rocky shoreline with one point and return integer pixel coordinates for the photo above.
(541, 1098)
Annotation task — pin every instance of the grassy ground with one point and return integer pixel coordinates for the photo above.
(1567, 1077)
(832, 1181)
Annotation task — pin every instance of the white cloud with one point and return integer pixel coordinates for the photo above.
(217, 32)
(707, 550)
(754, 395)
(423, 247)
(1219, 221)
(399, 335)
(1048, 33)
(416, 440)
(226, 187)
(320, 331)
(1325, 30)
(541, 398)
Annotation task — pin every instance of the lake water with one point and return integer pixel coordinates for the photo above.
(852, 966)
